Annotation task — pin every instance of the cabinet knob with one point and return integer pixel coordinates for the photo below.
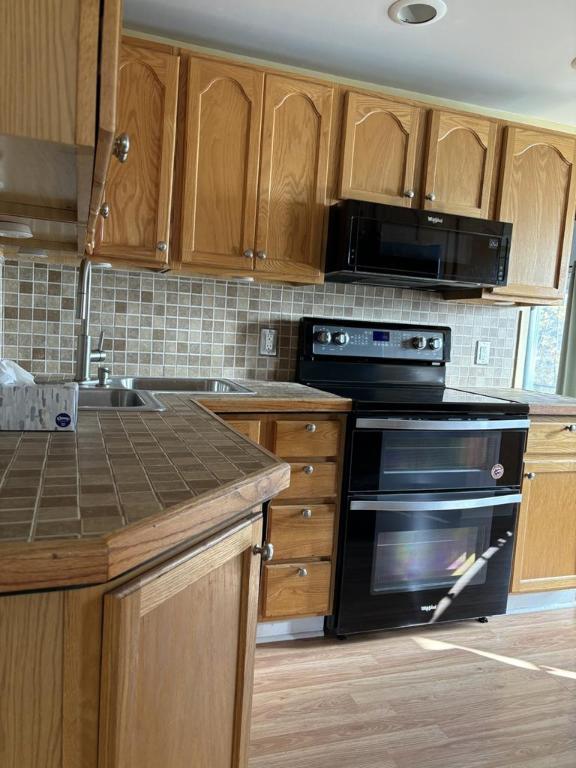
(410, 193)
(306, 514)
(162, 246)
(121, 147)
(310, 427)
(308, 469)
(530, 475)
(266, 550)
(105, 210)
(248, 253)
(262, 255)
(302, 572)
(431, 196)
(571, 427)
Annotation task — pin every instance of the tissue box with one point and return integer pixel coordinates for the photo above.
(39, 407)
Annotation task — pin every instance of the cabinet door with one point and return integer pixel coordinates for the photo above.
(545, 556)
(293, 179)
(250, 428)
(224, 113)
(379, 151)
(178, 655)
(537, 196)
(138, 192)
(460, 164)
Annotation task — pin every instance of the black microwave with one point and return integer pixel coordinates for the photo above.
(390, 245)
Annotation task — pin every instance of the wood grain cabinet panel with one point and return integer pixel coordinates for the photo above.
(178, 659)
(223, 121)
(319, 483)
(301, 530)
(293, 179)
(306, 438)
(138, 192)
(552, 437)
(250, 428)
(537, 195)
(545, 557)
(296, 589)
(460, 164)
(379, 150)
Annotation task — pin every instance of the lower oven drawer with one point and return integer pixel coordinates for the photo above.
(296, 589)
(301, 530)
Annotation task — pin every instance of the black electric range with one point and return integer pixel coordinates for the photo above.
(431, 482)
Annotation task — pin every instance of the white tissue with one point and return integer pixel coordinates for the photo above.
(12, 374)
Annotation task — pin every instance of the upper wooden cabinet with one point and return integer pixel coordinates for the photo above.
(537, 195)
(135, 216)
(222, 146)
(293, 179)
(460, 164)
(58, 69)
(379, 150)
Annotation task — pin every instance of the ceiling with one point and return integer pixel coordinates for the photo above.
(512, 55)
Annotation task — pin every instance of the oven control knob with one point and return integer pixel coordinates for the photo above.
(323, 337)
(341, 338)
(419, 342)
(435, 343)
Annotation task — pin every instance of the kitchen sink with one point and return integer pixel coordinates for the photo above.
(105, 398)
(189, 386)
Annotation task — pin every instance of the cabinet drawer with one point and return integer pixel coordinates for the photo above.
(297, 589)
(301, 530)
(250, 428)
(306, 437)
(320, 483)
(552, 437)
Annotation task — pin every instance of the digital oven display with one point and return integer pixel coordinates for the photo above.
(381, 336)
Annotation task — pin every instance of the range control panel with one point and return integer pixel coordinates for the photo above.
(383, 343)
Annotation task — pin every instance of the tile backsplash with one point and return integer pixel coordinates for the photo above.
(165, 325)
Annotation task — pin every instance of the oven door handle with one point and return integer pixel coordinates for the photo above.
(442, 426)
(434, 506)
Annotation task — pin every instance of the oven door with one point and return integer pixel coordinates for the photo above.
(413, 559)
(405, 454)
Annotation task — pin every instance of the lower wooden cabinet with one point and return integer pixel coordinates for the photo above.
(301, 531)
(292, 590)
(545, 557)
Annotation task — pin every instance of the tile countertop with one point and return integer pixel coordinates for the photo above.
(84, 507)
(539, 403)
(275, 396)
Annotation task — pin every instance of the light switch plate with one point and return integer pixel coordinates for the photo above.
(268, 342)
(482, 352)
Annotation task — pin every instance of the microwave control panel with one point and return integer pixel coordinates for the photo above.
(379, 343)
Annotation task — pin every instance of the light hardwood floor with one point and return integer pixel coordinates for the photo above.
(504, 696)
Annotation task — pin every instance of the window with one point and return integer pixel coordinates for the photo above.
(544, 348)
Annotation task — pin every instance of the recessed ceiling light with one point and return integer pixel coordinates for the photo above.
(14, 229)
(417, 14)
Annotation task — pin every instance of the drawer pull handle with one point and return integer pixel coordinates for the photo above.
(308, 469)
(266, 550)
(530, 475)
(306, 514)
(571, 427)
(312, 427)
(302, 572)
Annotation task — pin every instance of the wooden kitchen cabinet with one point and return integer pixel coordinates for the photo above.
(134, 224)
(379, 150)
(293, 179)
(177, 659)
(545, 557)
(221, 161)
(461, 154)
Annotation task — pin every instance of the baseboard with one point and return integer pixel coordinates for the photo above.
(541, 601)
(276, 631)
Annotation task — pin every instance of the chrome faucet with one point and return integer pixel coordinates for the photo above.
(84, 354)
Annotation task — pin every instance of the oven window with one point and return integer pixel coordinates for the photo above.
(426, 557)
(413, 460)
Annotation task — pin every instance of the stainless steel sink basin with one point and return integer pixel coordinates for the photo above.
(104, 398)
(189, 386)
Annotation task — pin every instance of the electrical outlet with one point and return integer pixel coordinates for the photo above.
(268, 342)
(482, 353)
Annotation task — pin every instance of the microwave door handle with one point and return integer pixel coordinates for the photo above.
(442, 426)
(434, 506)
